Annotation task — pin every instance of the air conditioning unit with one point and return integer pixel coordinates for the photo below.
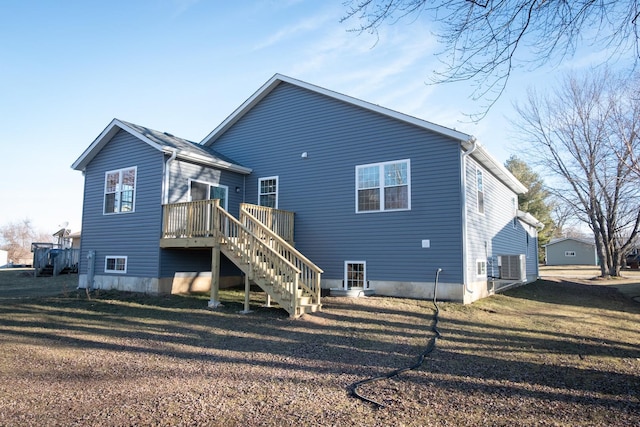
(513, 267)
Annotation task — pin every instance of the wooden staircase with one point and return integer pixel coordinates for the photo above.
(268, 260)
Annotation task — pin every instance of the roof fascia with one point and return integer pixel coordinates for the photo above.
(530, 219)
(564, 239)
(221, 164)
(487, 160)
(274, 81)
(105, 136)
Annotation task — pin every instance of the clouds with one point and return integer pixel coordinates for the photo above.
(184, 65)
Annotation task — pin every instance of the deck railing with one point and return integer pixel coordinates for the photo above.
(53, 254)
(279, 221)
(188, 219)
(251, 242)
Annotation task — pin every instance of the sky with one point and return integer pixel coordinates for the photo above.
(67, 68)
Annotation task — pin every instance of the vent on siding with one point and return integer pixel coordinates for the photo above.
(513, 267)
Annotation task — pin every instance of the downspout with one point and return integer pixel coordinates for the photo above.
(463, 158)
(167, 174)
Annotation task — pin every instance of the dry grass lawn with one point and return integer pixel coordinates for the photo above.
(556, 352)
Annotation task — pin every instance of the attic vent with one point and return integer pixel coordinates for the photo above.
(513, 267)
(167, 133)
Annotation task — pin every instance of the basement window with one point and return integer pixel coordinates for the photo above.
(355, 274)
(481, 268)
(115, 264)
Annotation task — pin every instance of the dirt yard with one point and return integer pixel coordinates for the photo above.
(563, 352)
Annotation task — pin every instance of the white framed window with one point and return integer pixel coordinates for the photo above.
(115, 264)
(383, 186)
(119, 190)
(480, 190)
(268, 192)
(200, 190)
(355, 274)
(481, 268)
(569, 253)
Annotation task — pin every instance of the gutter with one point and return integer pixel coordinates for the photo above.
(167, 174)
(472, 141)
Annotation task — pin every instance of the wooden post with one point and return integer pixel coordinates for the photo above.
(214, 300)
(268, 303)
(247, 289)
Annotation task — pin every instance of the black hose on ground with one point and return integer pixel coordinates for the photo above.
(428, 349)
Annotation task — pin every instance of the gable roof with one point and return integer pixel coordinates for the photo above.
(574, 239)
(468, 142)
(161, 141)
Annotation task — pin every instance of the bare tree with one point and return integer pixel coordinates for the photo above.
(16, 239)
(484, 40)
(626, 122)
(578, 134)
(564, 218)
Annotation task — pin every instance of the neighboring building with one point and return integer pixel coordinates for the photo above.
(52, 259)
(75, 239)
(381, 200)
(571, 251)
(4, 258)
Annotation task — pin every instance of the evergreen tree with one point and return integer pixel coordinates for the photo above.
(535, 201)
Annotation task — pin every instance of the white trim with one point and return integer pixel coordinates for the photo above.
(497, 169)
(209, 162)
(210, 184)
(226, 198)
(135, 190)
(381, 186)
(277, 179)
(483, 262)
(274, 81)
(105, 136)
(116, 125)
(364, 274)
(116, 257)
(467, 141)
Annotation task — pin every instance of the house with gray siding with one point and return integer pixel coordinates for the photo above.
(571, 251)
(309, 188)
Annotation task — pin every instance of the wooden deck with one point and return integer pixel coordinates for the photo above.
(266, 258)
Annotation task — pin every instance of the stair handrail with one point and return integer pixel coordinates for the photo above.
(248, 245)
(235, 221)
(310, 279)
(206, 218)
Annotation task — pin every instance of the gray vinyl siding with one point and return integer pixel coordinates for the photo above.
(585, 253)
(194, 260)
(532, 249)
(182, 172)
(135, 234)
(321, 188)
(492, 233)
